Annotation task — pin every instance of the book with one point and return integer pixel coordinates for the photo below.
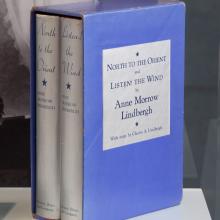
(47, 121)
(129, 139)
(71, 118)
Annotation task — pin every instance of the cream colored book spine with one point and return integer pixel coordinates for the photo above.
(47, 114)
(71, 111)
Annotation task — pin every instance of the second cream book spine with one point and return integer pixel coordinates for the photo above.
(71, 111)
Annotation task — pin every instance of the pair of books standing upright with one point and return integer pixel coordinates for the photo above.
(58, 116)
(107, 108)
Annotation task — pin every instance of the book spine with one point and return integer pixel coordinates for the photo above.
(47, 117)
(71, 119)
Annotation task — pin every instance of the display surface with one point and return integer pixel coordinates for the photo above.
(15, 205)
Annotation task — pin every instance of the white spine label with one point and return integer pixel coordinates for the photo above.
(136, 93)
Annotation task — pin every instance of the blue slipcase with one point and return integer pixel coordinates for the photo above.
(139, 177)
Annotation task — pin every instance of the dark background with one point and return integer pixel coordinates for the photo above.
(202, 148)
(14, 90)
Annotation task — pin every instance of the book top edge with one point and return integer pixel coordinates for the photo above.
(93, 7)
